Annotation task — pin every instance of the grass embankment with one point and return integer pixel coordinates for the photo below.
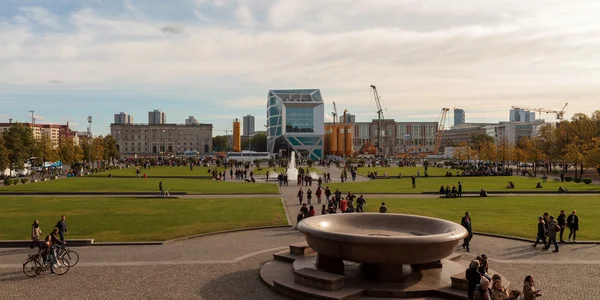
(470, 184)
(128, 219)
(192, 186)
(514, 216)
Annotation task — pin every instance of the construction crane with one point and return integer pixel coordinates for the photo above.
(560, 114)
(441, 126)
(378, 144)
(334, 113)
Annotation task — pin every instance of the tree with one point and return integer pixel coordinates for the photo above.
(19, 142)
(111, 152)
(44, 150)
(97, 149)
(4, 162)
(258, 143)
(480, 142)
(220, 142)
(68, 151)
(533, 152)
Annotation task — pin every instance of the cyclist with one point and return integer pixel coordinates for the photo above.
(45, 247)
(56, 242)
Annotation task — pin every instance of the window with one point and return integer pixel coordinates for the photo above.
(299, 119)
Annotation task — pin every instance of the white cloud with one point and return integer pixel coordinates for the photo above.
(421, 55)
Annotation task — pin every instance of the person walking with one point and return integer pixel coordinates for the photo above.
(338, 197)
(343, 205)
(414, 181)
(309, 196)
(562, 222)
(327, 194)
(459, 189)
(36, 232)
(360, 202)
(573, 223)
(466, 223)
(552, 229)
(300, 195)
(541, 232)
(318, 193)
(160, 187)
(62, 227)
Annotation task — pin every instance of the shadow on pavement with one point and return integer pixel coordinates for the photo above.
(239, 285)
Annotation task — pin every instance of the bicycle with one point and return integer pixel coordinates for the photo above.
(36, 265)
(67, 254)
(165, 194)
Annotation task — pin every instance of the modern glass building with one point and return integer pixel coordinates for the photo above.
(295, 122)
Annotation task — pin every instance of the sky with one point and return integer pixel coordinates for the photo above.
(217, 59)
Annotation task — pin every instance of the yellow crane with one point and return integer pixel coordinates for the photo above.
(560, 114)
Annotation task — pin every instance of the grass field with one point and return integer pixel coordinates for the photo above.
(514, 216)
(495, 183)
(406, 171)
(193, 186)
(128, 219)
(160, 171)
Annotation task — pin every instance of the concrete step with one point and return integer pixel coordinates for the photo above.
(319, 279)
(285, 256)
(450, 293)
(298, 291)
(301, 248)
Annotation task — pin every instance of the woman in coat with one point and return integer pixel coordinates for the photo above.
(36, 232)
(529, 291)
(498, 291)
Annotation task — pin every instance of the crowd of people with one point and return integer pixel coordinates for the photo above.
(334, 202)
(451, 192)
(548, 227)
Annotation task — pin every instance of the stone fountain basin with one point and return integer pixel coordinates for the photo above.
(377, 238)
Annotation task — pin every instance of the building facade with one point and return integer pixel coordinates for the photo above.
(157, 117)
(349, 118)
(295, 122)
(54, 132)
(521, 115)
(396, 137)
(248, 125)
(459, 135)
(157, 139)
(123, 118)
(459, 116)
(512, 132)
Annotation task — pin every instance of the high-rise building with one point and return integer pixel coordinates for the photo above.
(123, 118)
(521, 115)
(56, 133)
(459, 116)
(157, 117)
(191, 121)
(248, 125)
(295, 122)
(349, 118)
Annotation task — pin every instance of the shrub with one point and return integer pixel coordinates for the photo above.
(7, 181)
(15, 181)
(587, 180)
(257, 162)
(24, 180)
(310, 162)
(577, 179)
(568, 179)
(337, 163)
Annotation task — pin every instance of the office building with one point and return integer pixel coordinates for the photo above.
(123, 118)
(157, 117)
(512, 132)
(191, 121)
(295, 122)
(459, 116)
(248, 125)
(521, 115)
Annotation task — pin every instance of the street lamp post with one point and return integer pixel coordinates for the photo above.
(89, 119)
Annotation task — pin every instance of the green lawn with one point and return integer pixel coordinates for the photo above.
(495, 183)
(192, 186)
(160, 171)
(406, 171)
(514, 216)
(279, 170)
(126, 219)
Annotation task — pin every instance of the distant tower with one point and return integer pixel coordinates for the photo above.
(459, 116)
(237, 139)
(249, 128)
(123, 118)
(157, 117)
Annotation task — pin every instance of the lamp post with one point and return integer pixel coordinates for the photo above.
(89, 119)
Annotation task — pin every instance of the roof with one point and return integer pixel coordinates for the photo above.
(303, 95)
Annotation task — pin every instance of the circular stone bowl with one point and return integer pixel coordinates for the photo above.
(378, 238)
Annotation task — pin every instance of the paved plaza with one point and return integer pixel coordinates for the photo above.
(226, 266)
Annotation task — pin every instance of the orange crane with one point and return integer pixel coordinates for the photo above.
(441, 125)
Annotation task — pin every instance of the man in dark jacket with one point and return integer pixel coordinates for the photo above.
(459, 189)
(541, 232)
(466, 223)
(473, 278)
(414, 181)
(62, 227)
(573, 223)
(562, 222)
